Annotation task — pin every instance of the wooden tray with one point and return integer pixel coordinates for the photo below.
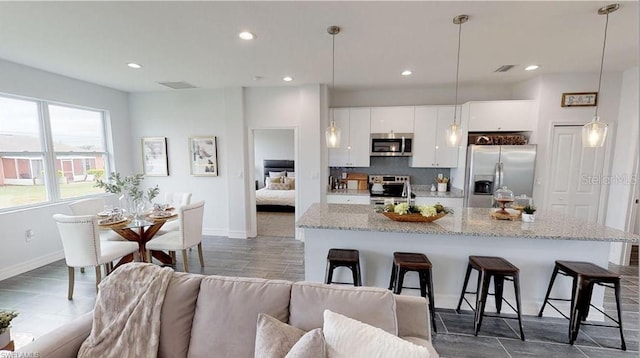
(502, 216)
(414, 218)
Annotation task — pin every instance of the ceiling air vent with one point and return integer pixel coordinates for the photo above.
(178, 85)
(504, 68)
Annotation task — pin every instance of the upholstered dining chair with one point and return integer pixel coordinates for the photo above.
(189, 234)
(92, 206)
(176, 200)
(82, 245)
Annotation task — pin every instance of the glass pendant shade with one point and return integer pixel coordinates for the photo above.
(454, 134)
(594, 133)
(332, 135)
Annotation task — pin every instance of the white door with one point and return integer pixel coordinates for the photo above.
(576, 175)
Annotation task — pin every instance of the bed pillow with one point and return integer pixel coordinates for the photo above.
(347, 337)
(277, 174)
(279, 186)
(269, 180)
(291, 182)
(291, 174)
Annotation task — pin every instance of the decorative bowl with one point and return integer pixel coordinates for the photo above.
(415, 218)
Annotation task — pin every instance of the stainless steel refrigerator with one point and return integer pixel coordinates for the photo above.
(490, 167)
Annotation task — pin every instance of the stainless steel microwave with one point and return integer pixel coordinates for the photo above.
(391, 144)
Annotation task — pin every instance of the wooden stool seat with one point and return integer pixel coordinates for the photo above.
(343, 258)
(404, 262)
(500, 270)
(585, 275)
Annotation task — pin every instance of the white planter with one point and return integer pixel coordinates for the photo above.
(5, 338)
(442, 187)
(528, 218)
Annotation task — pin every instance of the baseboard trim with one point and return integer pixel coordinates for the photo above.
(215, 232)
(237, 234)
(31, 264)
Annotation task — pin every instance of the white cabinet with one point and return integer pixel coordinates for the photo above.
(503, 116)
(348, 199)
(396, 119)
(446, 202)
(430, 149)
(354, 124)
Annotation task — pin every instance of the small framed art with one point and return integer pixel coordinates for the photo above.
(204, 156)
(581, 99)
(154, 157)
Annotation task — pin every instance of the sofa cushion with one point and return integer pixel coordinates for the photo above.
(274, 338)
(347, 337)
(227, 310)
(177, 315)
(371, 305)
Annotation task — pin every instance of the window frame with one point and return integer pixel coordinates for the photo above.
(49, 156)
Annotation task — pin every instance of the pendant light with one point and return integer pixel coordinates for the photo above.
(594, 133)
(332, 134)
(454, 132)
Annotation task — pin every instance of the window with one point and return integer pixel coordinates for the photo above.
(29, 173)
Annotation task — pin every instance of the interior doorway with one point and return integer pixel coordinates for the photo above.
(576, 175)
(275, 178)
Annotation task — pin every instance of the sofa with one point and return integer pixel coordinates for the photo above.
(207, 316)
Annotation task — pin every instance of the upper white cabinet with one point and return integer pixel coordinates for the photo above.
(502, 116)
(396, 119)
(430, 149)
(354, 124)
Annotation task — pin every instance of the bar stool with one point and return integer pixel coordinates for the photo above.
(404, 262)
(501, 270)
(343, 258)
(585, 275)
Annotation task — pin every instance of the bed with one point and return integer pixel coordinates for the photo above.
(276, 200)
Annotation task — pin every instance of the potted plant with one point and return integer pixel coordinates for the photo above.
(133, 198)
(5, 324)
(528, 214)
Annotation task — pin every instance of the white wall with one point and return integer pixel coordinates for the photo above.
(625, 156)
(179, 115)
(17, 255)
(548, 90)
(271, 144)
(419, 96)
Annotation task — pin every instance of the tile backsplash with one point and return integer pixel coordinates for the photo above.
(397, 166)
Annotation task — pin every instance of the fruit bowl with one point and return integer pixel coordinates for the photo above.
(414, 218)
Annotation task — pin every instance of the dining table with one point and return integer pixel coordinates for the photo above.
(141, 230)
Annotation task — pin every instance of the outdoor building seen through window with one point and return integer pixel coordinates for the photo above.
(29, 174)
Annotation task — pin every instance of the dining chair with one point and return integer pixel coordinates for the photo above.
(92, 206)
(176, 200)
(82, 246)
(189, 234)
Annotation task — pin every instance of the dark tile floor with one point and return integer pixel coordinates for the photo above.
(40, 297)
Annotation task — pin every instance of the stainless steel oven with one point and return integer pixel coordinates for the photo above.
(391, 144)
(393, 187)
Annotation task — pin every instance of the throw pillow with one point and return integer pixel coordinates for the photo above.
(346, 337)
(269, 180)
(291, 182)
(277, 174)
(276, 339)
(279, 186)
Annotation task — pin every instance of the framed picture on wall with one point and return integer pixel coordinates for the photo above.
(581, 99)
(204, 156)
(154, 157)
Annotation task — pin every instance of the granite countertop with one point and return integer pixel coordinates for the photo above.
(348, 192)
(453, 193)
(465, 221)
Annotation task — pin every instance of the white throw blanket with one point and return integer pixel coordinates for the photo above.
(126, 319)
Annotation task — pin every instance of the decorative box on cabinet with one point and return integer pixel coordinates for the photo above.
(502, 116)
(354, 124)
(430, 149)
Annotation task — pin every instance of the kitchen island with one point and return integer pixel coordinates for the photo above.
(448, 242)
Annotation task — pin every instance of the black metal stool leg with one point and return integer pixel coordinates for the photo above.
(464, 287)
(328, 274)
(498, 284)
(516, 287)
(357, 278)
(432, 304)
(617, 294)
(482, 301)
(546, 297)
(392, 280)
(574, 316)
(399, 280)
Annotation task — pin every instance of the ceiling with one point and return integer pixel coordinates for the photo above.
(198, 42)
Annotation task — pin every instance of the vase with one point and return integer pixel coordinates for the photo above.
(5, 337)
(442, 187)
(528, 218)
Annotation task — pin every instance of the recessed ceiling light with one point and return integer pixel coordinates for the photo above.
(287, 79)
(246, 35)
(134, 65)
(406, 72)
(531, 67)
